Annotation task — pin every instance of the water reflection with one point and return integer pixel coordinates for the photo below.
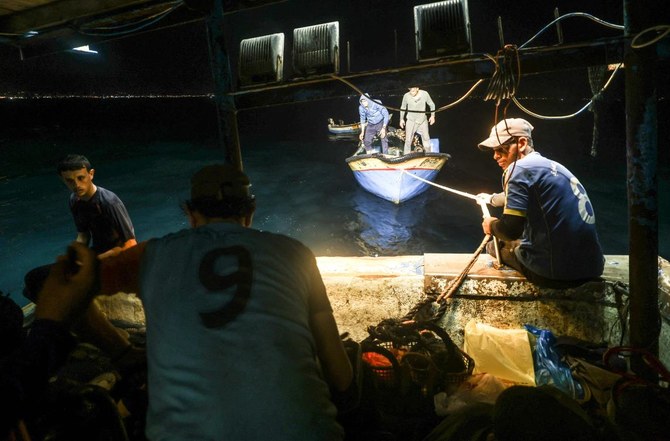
(384, 228)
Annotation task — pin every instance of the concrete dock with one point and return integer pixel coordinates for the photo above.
(365, 290)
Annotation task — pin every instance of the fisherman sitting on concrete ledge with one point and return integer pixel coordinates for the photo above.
(548, 227)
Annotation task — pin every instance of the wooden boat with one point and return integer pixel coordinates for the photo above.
(397, 179)
(340, 128)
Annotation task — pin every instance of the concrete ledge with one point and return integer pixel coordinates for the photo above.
(365, 290)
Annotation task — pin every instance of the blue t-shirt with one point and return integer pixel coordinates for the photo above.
(559, 240)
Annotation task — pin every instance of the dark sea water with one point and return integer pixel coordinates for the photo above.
(146, 150)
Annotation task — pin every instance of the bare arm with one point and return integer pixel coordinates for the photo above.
(24, 375)
(122, 272)
(332, 355)
(362, 131)
(69, 286)
(116, 250)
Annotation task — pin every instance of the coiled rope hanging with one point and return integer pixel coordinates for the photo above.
(505, 79)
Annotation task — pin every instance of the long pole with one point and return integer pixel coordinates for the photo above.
(642, 157)
(226, 111)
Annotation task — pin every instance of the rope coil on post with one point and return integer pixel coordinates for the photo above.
(504, 82)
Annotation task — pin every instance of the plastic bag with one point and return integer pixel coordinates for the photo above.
(504, 353)
(549, 368)
(482, 388)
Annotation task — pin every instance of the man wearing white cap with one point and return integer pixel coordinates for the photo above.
(547, 230)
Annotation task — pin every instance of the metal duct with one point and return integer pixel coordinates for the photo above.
(442, 29)
(316, 49)
(261, 60)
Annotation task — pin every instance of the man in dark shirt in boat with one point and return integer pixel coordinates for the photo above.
(547, 230)
(103, 223)
(374, 118)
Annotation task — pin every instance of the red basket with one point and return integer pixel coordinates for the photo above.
(380, 358)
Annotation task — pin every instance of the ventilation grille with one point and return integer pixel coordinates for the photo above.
(261, 60)
(442, 29)
(316, 49)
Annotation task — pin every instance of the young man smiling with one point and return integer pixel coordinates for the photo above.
(547, 230)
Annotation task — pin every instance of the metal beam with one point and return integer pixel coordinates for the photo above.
(63, 12)
(65, 38)
(642, 157)
(229, 137)
(454, 70)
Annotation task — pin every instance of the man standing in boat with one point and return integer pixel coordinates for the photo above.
(547, 230)
(414, 105)
(374, 119)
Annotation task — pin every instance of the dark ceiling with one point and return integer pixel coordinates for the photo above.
(38, 27)
(170, 55)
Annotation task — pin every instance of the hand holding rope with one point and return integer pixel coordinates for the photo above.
(485, 214)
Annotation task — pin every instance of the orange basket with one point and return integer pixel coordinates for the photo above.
(383, 363)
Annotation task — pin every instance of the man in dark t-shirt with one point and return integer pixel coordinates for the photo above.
(101, 218)
(548, 227)
(105, 219)
(102, 223)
